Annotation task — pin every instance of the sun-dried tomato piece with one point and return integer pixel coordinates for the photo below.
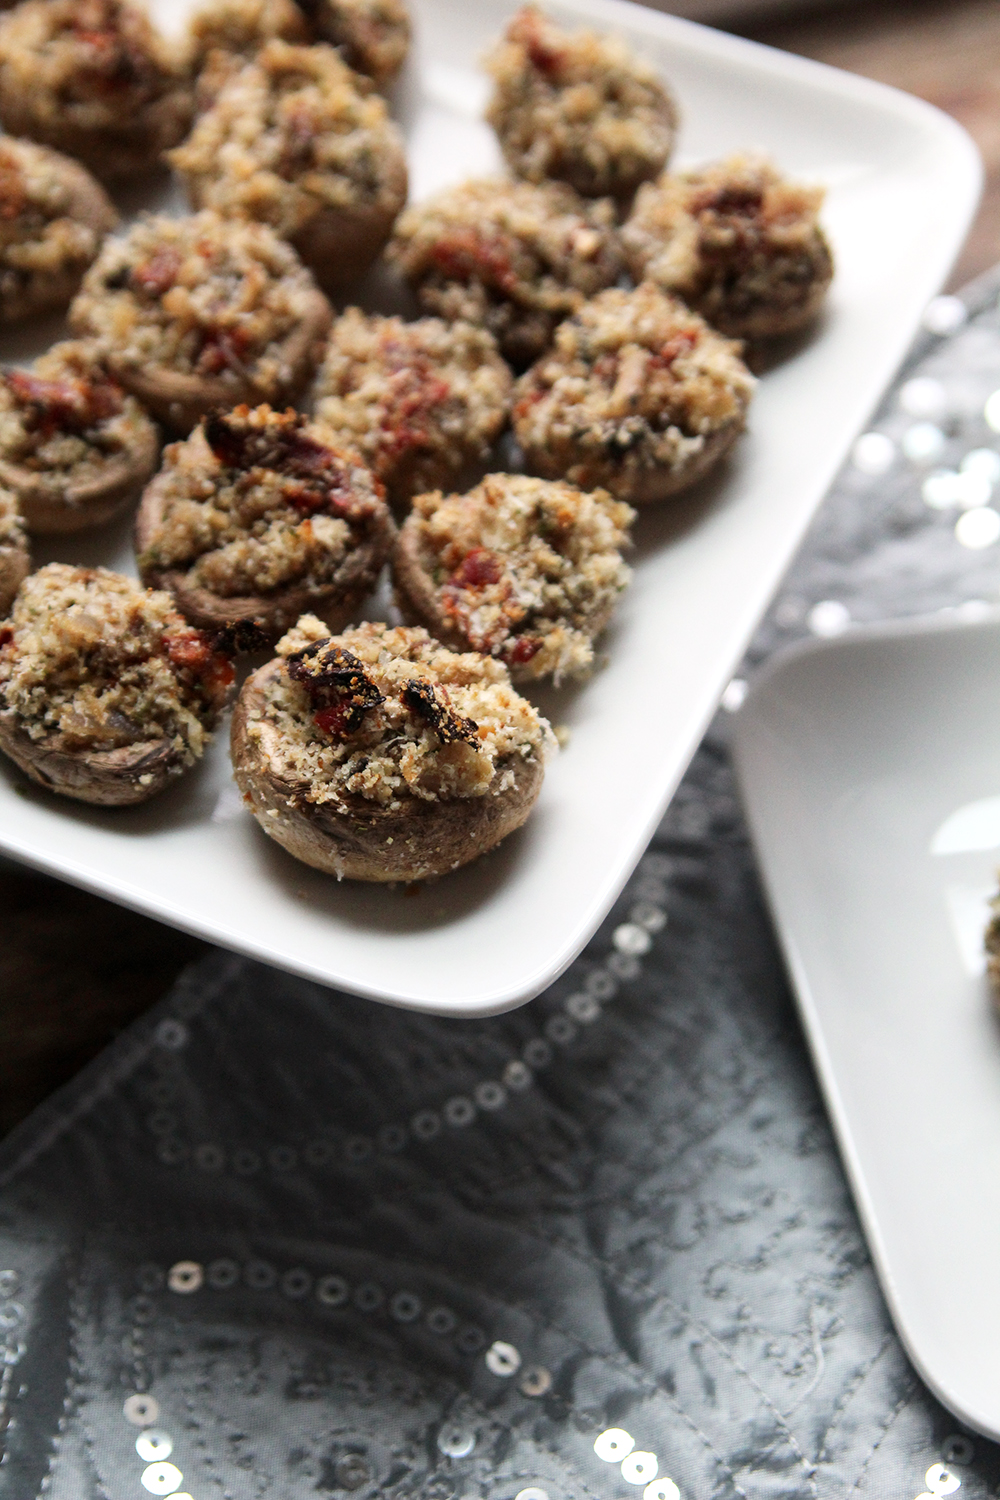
(13, 190)
(467, 255)
(420, 698)
(521, 650)
(6, 635)
(316, 475)
(477, 570)
(194, 651)
(338, 686)
(153, 277)
(413, 392)
(527, 28)
(73, 404)
(223, 349)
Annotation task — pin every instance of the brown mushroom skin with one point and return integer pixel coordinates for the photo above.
(428, 838)
(107, 778)
(51, 508)
(340, 244)
(336, 604)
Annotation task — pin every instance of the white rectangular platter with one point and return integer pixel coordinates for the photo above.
(871, 779)
(903, 180)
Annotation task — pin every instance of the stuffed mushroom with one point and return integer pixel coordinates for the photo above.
(75, 448)
(203, 312)
(380, 755)
(224, 35)
(15, 559)
(93, 78)
(372, 36)
(258, 516)
(738, 242)
(524, 570)
(638, 396)
(419, 401)
(53, 217)
(300, 142)
(106, 693)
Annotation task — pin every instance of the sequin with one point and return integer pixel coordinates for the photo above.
(516, 1076)
(426, 1125)
(171, 1035)
(734, 695)
(12, 1354)
(209, 1158)
(600, 984)
(536, 1381)
(632, 940)
(405, 1307)
(392, 1138)
(185, 1276)
(368, 1296)
(645, 914)
(246, 1162)
(624, 965)
(297, 1283)
(503, 1359)
(260, 1276)
(161, 1479)
(923, 397)
(154, 1444)
(282, 1158)
(537, 1053)
(11, 1314)
(490, 1095)
(456, 1442)
(583, 1008)
(532, 1493)
(471, 1339)
(923, 442)
(560, 1029)
(640, 1468)
(978, 528)
(944, 315)
(828, 618)
(873, 453)
(957, 1449)
(333, 1291)
(459, 1111)
(141, 1410)
(441, 1320)
(614, 1444)
(143, 1309)
(358, 1149)
(10, 1283)
(941, 1481)
(661, 1489)
(222, 1274)
(351, 1472)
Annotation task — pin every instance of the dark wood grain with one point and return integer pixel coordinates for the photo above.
(73, 969)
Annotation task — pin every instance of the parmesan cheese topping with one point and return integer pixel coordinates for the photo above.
(448, 725)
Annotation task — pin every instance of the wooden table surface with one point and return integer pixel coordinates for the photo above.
(73, 968)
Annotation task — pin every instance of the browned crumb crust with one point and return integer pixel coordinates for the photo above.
(93, 78)
(202, 312)
(380, 755)
(736, 241)
(578, 107)
(526, 570)
(513, 257)
(300, 142)
(106, 693)
(372, 36)
(257, 517)
(638, 395)
(74, 447)
(53, 216)
(15, 559)
(225, 34)
(419, 401)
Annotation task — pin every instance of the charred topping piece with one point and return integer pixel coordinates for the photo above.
(242, 635)
(340, 690)
(421, 699)
(70, 405)
(286, 449)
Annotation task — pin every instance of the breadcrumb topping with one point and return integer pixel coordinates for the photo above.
(224, 34)
(739, 242)
(200, 295)
(527, 570)
(294, 133)
(446, 725)
(255, 501)
(580, 108)
(373, 36)
(12, 533)
(94, 662)
(92, 77)
(419, 401)
(636, 387)
(44, 246)
(513, 257)
(67, 417)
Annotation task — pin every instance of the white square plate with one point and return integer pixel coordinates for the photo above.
(903, 180)
(871, 777)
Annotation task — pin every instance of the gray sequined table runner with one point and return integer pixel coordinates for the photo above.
(279, 1242)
